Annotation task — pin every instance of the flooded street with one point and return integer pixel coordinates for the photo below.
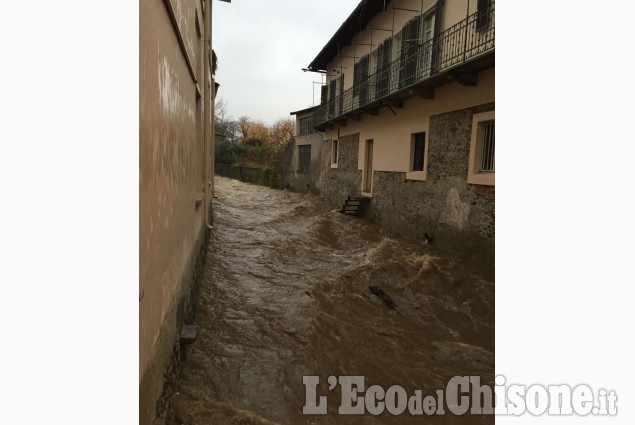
(286, 294)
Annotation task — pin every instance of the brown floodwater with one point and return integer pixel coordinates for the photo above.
(285, 295)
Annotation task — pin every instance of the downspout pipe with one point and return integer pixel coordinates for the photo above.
(215, 87)
(208, 122)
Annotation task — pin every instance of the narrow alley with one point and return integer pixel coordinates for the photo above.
(285, 294)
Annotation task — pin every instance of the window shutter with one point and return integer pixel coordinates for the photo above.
(409, 47)
(363, 79)
(341, 94)
(356, 79)
(332, 97)
(482, 17)
(384, 54)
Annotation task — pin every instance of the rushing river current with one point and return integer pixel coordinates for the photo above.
(285, 294)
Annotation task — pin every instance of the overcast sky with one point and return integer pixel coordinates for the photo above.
(262, 47)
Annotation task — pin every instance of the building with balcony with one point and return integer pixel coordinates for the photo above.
(407, 118)
(301, 163)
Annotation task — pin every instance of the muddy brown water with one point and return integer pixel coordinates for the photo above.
(285, 294)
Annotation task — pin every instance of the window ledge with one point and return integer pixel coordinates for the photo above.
(333, 165)
(367, 194)
(484, 179)
(416, 175)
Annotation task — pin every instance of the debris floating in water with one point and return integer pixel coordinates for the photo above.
(384, 296)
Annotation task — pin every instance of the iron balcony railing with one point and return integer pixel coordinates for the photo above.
(460, 43)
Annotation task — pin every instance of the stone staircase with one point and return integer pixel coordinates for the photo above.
(355, 205)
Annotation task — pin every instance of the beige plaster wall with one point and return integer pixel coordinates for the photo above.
(170, 164)
(391, 133)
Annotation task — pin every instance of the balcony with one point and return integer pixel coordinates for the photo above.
(456, 54)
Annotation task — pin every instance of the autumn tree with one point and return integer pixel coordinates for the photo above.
(252, 130)
(250, 141)
(282, 132)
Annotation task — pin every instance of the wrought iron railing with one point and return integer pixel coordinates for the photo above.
(460, 43)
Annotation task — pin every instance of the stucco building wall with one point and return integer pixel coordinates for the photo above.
(171, 183)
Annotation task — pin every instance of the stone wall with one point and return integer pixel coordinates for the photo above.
(346, 179)
(244, 174)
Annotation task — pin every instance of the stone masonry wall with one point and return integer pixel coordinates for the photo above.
(346, 179)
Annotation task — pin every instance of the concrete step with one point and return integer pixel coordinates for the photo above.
(189, 333)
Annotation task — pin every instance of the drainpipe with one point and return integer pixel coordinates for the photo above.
(208, 123)
(215, 87)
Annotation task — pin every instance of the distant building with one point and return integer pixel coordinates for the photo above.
(407, 118)
(305, 171)
(175, 151)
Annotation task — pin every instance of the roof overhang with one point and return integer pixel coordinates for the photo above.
(356, 22)
(304, 111)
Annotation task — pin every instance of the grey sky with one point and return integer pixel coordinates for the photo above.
(262, 47)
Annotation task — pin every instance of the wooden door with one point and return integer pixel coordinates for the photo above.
(368, 169)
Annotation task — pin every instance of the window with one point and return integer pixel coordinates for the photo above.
(418, 160)
(306, 126)
(304, 158)
(427, 39)
(334, 154)
(372, 76)
(418, 151)
(482, 153)
(487, 152)
(324, 94)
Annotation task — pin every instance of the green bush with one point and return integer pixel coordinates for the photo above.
(258, 153)
(228, 152)
(269, 177)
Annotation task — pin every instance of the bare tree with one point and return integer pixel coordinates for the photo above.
(223, 122)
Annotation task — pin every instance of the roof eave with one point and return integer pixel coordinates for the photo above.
(346, 32)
